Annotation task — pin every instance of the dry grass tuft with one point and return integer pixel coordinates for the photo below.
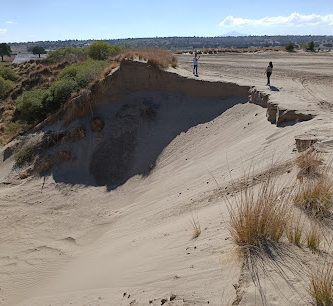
(196, 228)
(24, 156)
(313, 238)
(320, 288)
(259, 216)
(309, 162)
(294, 233)
(159, 58)
(316, 197)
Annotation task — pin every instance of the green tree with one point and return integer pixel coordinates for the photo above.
(38, 50)
(4, 50)
(290, 47)
(101, 50)
(311, 46)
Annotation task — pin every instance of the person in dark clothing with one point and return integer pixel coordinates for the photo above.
(269, 71)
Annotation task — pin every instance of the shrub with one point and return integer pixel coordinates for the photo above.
(159, 58)
(309, 162)
(8, 73)
(30, 105)
(321, 282)
(290, 47)
(24, 155)
(101, 50)
(315, 197)
(313, 238)
(82, 74)
(69, 54)
(196, 228)
(294, 233)
(5, 87)
(259, 216)
(60, 92)
(310, 46)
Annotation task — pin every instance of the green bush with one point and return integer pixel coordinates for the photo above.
(82, 74)
(5, 87)
(8, 73)
(70, 54)
(290, 47)
(101, 50)
(30, 105)
(60, 92)
(33, 106)
(311, 46)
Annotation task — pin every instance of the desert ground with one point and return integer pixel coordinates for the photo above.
(67, 241)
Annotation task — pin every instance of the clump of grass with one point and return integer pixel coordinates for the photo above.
(5, 87)
(8, 73)
(159, 58)
(294, 233)
(313, 238)
(24, 155)
(320, 289)
(12, 129)
(196, 228)
(309, 162)
(258, 216)
(83, 73)
(316, 197)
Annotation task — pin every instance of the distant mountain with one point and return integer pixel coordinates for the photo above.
(233, 34)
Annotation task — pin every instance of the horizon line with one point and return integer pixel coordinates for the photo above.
(157, 37)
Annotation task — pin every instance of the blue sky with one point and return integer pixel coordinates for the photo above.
(22, 20)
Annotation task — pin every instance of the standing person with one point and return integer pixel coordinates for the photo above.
(195, 64)
(269, 71)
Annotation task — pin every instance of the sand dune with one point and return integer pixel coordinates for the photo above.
(100, 232)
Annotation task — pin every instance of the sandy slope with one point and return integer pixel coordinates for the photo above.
(79, 245)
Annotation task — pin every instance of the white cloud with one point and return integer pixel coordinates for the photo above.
(3, 31)
(294, 19)
(10, 22)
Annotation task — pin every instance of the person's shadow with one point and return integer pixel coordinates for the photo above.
(273, 88)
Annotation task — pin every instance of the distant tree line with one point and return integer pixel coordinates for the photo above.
(188, 43)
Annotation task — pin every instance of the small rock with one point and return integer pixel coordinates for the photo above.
(172, 297)
(163, 301)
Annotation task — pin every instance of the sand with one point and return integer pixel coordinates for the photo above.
(87, 244)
